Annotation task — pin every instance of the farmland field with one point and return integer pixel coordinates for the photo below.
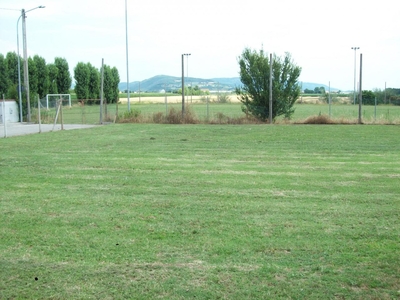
(150, 211)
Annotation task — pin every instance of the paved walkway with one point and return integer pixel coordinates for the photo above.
(14, 129)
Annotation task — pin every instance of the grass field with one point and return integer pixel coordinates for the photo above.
(149, 211)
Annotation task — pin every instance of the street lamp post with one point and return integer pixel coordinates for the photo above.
(19, 75)
(354, 94)
(26, 75)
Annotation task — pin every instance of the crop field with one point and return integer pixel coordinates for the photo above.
(151, 211)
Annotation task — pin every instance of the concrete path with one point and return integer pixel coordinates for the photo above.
(14, 129)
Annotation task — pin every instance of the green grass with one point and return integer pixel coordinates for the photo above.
(201, 211)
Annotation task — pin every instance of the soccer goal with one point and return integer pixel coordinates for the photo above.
(52, 99)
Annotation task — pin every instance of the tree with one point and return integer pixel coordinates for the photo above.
(42, 70)
(368, 98)
(254, 75)
(111, 81)
(3, 77)
(308, 91)
(82, 77)
(115, 83)
(94, 82)
(53, 74)
(319, 90)
(33, 78)
(12, 66)
(63, 76)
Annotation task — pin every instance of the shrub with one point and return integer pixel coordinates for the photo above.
(158, 118)
(320, 119)
(132, 116)
(223, 98)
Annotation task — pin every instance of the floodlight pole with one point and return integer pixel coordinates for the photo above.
(355, 63)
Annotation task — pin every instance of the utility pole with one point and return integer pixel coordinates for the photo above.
(26, 74)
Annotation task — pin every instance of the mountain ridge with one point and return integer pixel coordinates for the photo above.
(172, 83)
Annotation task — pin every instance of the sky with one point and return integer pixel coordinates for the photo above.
(319, 36)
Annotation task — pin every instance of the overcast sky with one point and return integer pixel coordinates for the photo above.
(318, 34)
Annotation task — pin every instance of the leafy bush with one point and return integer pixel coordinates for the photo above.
(132, 116)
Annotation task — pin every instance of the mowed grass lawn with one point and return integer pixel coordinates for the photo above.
(149, 211)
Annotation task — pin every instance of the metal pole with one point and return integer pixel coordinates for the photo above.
(183, 88)
(360, 93)
(39, 117)
(4, 117)
(270, 88)
(329, 101)
(166, 101)
(26, 74)
(19, 75)
(355, 63)
(102, 91)
(127, 56)
(385, 93)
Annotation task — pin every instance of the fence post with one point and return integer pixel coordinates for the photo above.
(39, 117)
(4, 117)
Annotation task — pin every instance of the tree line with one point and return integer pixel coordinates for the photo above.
(55, 78)
(44, 78)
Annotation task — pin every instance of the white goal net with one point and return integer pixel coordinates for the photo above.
(53, 99)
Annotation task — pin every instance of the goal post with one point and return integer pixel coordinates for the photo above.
(58, 97)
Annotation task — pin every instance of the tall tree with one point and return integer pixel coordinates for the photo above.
(12, 67)
(82, 77)
(111, 81)
(254, 75)
(33, 78)
(3, 75)
(94, 82)
(53, 75)
(63, 77)
(42, 75)
(115, 88)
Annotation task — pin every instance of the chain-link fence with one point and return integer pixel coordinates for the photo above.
(207, 109)
(62, 110)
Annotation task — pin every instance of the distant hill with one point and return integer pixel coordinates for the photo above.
(171, 83)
